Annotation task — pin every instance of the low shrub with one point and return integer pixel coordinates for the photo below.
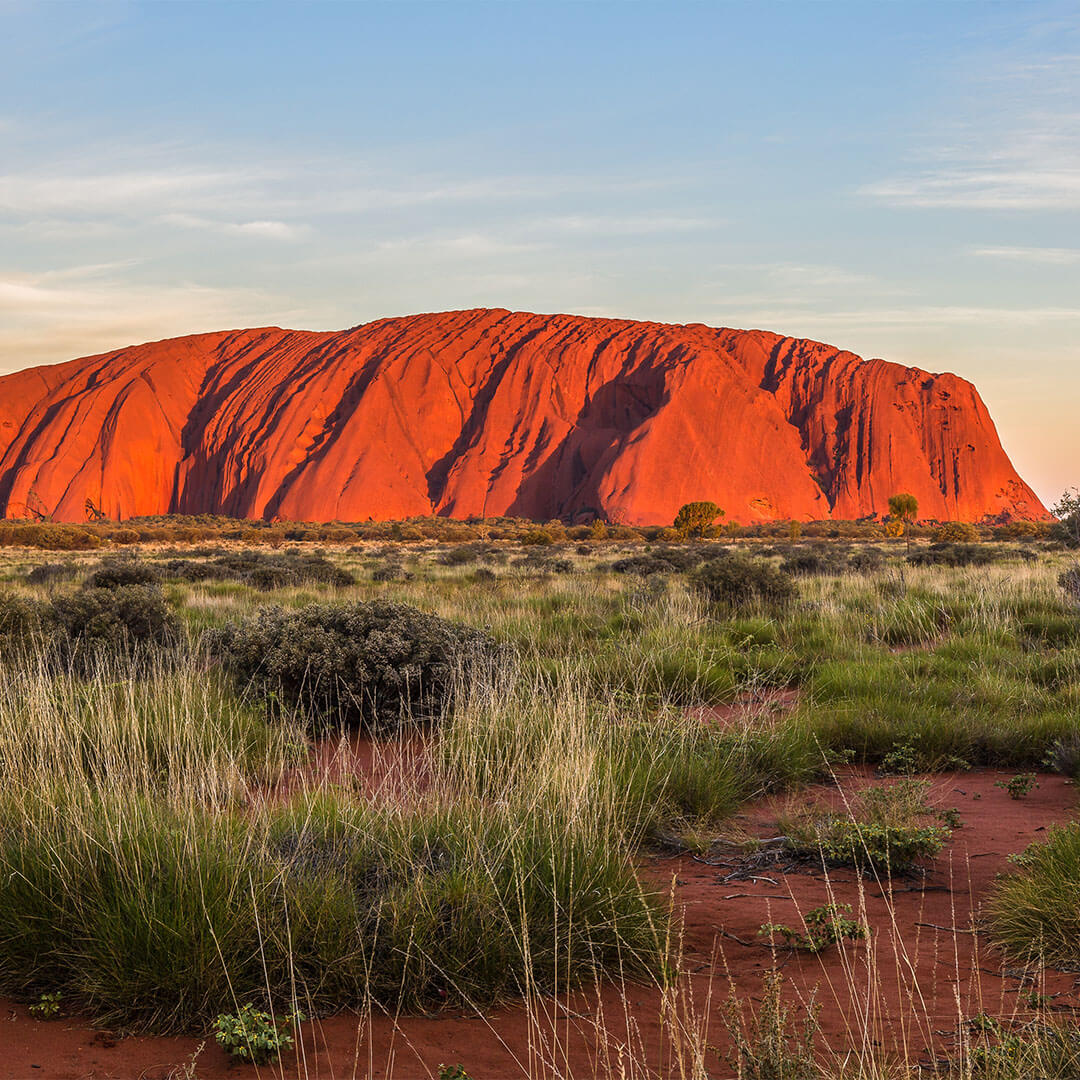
(376, 665)
(736, 581)
(824, 926)
(390, 571)
(252, 1036)
(663, 560)
(1069, 582)
(263, 571)
(883, 829)
(815, 561)
(954, 555)
(956, 532)
(772, 1044)
(120, 621)
(542, 561)
(461, 555)
(52, 573)
(113, 573)
(643, 565)
(1064, 756)
(866, 561)
(24, 623)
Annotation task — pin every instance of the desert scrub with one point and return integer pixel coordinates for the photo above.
(376, 665)
(119, 621)
(160, 916)
(773, 1043)
(262, 570)
(1035, 910)
(81, 627)
(26, 624)
(736, 581)
(113, 573)
(883, 829)
(823, 926)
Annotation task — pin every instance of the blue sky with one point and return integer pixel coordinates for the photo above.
(901, 179)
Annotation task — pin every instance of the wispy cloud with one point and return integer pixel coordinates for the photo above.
(1056, 256)
(455, 245)
(268, 228)
(127, 192)
(982, 186)
(921, 315)
(625, 224)
(1013, 143)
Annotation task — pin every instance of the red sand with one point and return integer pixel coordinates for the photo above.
(491, 412)
(502, 1045)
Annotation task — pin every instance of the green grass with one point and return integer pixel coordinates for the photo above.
(161, 916)
(1035, 912)
(146, 875)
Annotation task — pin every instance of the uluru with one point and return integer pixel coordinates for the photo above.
(492, 412)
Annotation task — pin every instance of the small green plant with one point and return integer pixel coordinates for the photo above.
(1020, 786)
(950, 818)
(251, 1035)
(901, 760)
(48, 1005)
(825, 926)
(453, 1072)
(772, 1045)
(885, 829)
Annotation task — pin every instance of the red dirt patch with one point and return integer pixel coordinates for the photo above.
(384, 769)
(923, 967)
(761, 705)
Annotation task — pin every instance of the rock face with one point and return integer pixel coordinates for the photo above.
(491, 412)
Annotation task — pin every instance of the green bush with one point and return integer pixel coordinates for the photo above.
(376, 665)
(52, 573)
(120, 621)
(24, 623)
(825, 926)
(736, 581)
(112, 573)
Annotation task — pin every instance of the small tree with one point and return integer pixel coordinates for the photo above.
(903, 509)
(694, 518)
(903, 506)
(1067, 511)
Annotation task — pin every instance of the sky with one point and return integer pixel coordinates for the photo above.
(895, 178)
